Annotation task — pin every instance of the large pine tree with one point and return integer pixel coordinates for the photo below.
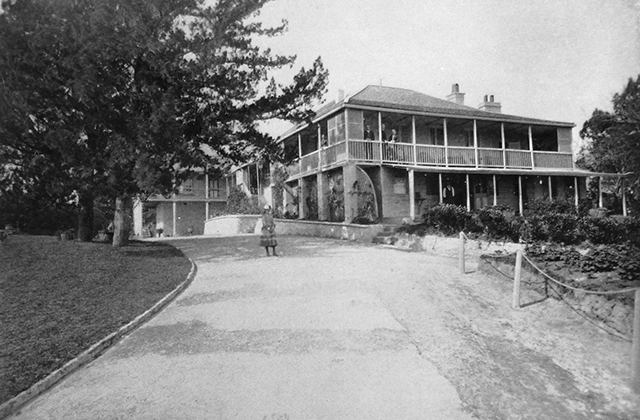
(122, 98)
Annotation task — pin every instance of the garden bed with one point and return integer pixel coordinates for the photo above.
(587, 267)
(59, 298)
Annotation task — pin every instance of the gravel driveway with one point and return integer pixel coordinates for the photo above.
(341, 330)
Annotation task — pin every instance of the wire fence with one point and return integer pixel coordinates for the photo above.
(552, 284)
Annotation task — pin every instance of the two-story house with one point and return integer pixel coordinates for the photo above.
(385, 153)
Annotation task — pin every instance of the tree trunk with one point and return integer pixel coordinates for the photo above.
(85, 217)
(122, 221)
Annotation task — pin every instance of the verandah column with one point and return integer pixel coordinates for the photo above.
(577, 193)
(380, 134)
(520, 201)
(346, 133)
(441, 187)
(475, 141)
(415, 151)
(468, 194)
(412, 195)
(550, 189)
(504, 146)
(531, 147)
(446, 144)
(599, 192)
(495, 191)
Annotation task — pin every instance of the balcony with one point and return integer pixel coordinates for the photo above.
(362, 151)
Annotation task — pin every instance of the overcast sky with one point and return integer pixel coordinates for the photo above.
(553, 59)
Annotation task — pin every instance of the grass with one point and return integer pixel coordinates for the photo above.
(59, 298)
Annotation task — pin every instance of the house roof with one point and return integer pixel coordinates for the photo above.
(385, 97)
(406, 99)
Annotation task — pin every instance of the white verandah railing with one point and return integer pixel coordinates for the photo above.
(428, 155)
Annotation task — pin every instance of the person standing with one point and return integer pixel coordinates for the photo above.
(448, 194)
(268, 235)
(368, 147)
(368, 134)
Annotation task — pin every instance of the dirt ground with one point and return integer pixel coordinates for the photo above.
(542, 361)
(336, 329)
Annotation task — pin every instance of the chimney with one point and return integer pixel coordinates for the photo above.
(489, 105)
(455, 95)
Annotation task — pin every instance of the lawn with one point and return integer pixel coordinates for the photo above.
(59, 298)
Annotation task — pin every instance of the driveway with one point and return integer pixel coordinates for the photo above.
(340, 330)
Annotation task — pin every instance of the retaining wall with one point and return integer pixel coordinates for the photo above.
(230, 225)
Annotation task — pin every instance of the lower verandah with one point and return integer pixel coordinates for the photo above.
(405, 193)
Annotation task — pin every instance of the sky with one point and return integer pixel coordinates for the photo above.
(550, 59)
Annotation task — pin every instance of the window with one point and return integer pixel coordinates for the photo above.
(187, 187)
(214, 188)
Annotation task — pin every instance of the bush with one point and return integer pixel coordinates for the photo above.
(545, 207)
(534, 228)
(564, 228)
(497, 225)
(449, 219)
(239, 203)
(603, 230)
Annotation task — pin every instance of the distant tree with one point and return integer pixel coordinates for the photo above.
(125, 98)
(614, 140)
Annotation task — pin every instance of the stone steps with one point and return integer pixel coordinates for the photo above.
(387, 236)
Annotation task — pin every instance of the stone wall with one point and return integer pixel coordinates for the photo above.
(231, 225)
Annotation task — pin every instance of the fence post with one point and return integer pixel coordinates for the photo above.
(635, 352)
(461, 261)
(516, 280)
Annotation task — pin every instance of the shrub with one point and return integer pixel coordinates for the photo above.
(497, 225)
(239, 203)
(534, 228)
(545, 207)
(564, 228)
(449, 219)
(602, 230)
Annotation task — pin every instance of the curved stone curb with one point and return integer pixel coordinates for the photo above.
(17, 402)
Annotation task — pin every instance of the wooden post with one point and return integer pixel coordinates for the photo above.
(461, 262)
(517, 275)
(440, 185)
(635, 352)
